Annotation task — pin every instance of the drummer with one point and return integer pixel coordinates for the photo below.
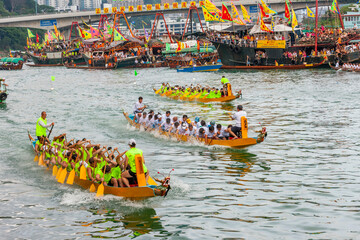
(139, 106)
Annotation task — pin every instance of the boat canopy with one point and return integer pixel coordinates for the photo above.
(11, 60)
(278, 28)
(186, 50)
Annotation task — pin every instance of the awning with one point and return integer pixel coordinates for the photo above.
(11, 60)
(186, 50)
(278, 28)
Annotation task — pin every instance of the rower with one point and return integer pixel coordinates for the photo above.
(237, 117)
(130, 161)
(42, 126)
(226, 86)
(139, 106)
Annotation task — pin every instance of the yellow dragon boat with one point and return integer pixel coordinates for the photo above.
(233, 143)
(151, 189)
(197, 99)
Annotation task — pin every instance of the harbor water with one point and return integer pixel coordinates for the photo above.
(302, 182)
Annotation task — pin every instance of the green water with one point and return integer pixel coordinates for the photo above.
(301, 183)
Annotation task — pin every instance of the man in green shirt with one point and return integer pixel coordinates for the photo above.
(225, 82)
(130, 161)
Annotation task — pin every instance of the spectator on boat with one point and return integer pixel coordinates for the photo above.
(130, 163)
(237, 117)
(42, 126)
(139, 106)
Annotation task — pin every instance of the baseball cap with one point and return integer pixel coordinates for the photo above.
(212, 123)
(132, 142)
(197, 119)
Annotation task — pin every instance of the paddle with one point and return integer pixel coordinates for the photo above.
(41, 159)
(82, 172)
(62, 176)
(71, 177)
(55, 170)
(100, 191)
(58, 173)
(50, 131)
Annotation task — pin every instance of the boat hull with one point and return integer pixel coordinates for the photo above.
(205, 68)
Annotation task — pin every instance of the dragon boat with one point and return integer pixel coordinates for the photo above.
(145, 190)
(233, 143)
(197, 99)
(201, 68)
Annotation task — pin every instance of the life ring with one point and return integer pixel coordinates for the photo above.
(3, 96)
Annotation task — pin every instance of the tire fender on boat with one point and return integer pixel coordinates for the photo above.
(3, 96)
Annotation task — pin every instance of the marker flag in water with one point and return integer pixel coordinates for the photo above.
(135, 73)
(52, 78)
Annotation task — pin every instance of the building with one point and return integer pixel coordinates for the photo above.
(62, 5)
(127, 3)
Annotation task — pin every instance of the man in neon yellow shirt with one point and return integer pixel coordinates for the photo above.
(225, 82)
(130, 161)
(42, 126)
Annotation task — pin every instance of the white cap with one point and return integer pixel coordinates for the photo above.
(132, 142)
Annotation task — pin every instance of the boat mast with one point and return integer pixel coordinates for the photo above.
(341, 20)
(316, 27)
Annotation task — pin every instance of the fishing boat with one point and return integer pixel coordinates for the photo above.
(280, 66)
(151, 189)
(233, 143)
(9, 63)
(203, 100)
(203, 68)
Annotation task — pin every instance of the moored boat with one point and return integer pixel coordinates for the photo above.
(280, 66)
(151, 189)
(202, 68)
(9, 63)
(233, 143)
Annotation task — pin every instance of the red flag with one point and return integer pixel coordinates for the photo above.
(225, 13)
(262, 12)
(37, 38)
(287, 10)
(198, 45)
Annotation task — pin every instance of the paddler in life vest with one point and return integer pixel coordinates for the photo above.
(225, 82)
(139, 106)
(130, 162)
(42, 126)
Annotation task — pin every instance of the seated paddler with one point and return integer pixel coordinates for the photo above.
(130, 164)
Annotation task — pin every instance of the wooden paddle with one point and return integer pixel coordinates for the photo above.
(71, 177)
(100, 191)
(82, 172)
(62, 176)
(36, 158)
(41, 159)
(55, 170)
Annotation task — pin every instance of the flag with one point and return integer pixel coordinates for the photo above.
(272, 24)
(56, 31)
(50, 37)
(86, 34)
(235, 15)
(287, 10)
(309, 12)
(147, 36)
(211, 7)
(334, 7)
(179, 46)
(10, 53)
(118, 36)
(246, 15)
(276, 63)
(294, 21)
(264, 27)
(207, 15)
(225, 13)
(46, 37)
(262, 12)
(54, 35)
(135, 73)
(94, 32)
(266, 8)
(37, 38)
(30, 34)
(52, 78)
(109, 29)
(198, 45)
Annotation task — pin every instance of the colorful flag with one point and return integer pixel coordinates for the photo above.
(56, 31)
(264, 27)
(235, 15)
(309, 12)
(94, 32)
(272, 24)
(267, 9)
(53, 35)
(287, 10)
(30, 34)
(10, 53)
(179, 46)
(211, 7)
(246, 15)
(207, 15)
(37, 38)
(262, 12)
(46, 37)
(225, 13)
(109, 29)
(50, 37)
(52, 78)
(294, 21)
(334, 7)
(118, 36)
(147, 36)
